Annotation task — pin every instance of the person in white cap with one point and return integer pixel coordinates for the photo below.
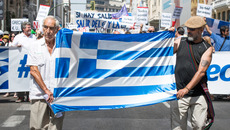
(193, 58)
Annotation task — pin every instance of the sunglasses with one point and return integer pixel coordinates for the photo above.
(191, 29)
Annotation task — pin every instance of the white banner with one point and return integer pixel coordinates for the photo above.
(16, 24)
(219, 73)
(204, 10)
(14, 75)
(97, 20)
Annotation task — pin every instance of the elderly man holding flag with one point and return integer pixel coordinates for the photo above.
(41, 60)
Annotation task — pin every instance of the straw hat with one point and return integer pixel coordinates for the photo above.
(195, 22)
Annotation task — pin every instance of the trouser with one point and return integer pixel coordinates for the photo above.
(198, 107)
(43, 118)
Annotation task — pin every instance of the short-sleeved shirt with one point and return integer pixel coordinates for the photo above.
(39, 56)
(23, 40)
(219, 41)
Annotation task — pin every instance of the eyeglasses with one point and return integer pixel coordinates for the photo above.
(150, 31)
(191, 29)
(46, 27)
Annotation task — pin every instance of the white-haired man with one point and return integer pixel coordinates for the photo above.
(41, 60)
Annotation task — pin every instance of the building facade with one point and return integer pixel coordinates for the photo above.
(107, 5)
(221, 9)
(29, 9)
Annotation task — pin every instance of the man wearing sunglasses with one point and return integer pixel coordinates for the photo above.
(41, 60)
(222, 41)
(194, 56)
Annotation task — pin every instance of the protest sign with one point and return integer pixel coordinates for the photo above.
(142, 15)
(97, 20)
(43, 12)
(16, 24)
(177, 12)
(204, 10)
(36, 25)
(166, 20)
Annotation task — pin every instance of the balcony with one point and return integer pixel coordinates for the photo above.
(220, 3)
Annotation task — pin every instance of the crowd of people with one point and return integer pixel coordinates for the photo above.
(194, 55)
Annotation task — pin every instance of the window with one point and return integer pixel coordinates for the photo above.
(218, 15)
(214, 16)
(223, 16)
(228, 15)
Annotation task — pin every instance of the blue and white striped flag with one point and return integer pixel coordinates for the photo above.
(110, 71)
(214, 25)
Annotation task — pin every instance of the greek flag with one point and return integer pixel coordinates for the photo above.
(214, 25)
(109, 71)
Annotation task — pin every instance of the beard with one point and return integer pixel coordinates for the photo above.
(28, 33)
(191, 39)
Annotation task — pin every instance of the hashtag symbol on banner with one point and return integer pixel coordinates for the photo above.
(23, 68)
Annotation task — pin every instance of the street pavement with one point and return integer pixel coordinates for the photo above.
(155, 117)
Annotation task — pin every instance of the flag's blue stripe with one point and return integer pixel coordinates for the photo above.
(3, 69)
(132, 55)
(87, 70)
(3, 49)
(62, 67)
(61, 108)
(5, 60)
(112, 91)
(64, 38)
(90, 40)
(210, 21)
(4, 85)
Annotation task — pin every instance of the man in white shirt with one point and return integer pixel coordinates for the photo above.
(41, 60)
(24, 40)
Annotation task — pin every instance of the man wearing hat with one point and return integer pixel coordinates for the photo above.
(194, 56)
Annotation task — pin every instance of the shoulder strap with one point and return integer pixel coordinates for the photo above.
(211, 112)
(223, 43)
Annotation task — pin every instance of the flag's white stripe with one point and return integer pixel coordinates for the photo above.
(120, 81)
(2, 63)
(78, 53)
(141, 62)
(4, 78)
(133, 46)
(4, 55)
(87, 53)
(111, 100)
